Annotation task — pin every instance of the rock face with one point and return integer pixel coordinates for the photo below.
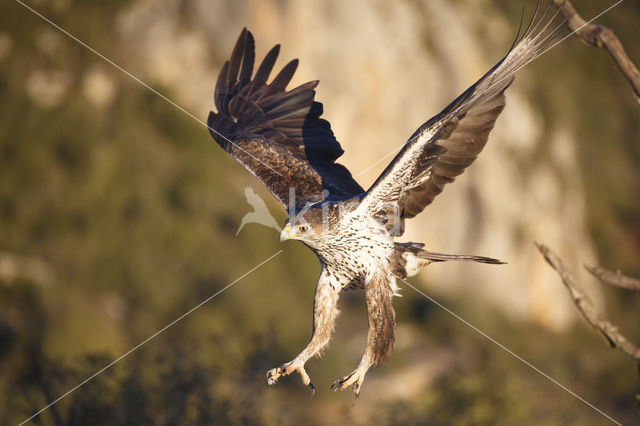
(386, 67)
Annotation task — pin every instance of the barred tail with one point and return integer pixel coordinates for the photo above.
(409, 258)
(443, 257)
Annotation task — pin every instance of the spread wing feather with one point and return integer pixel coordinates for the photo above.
(276, 134)
(443, 147)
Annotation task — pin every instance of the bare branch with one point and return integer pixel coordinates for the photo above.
(585, 306)
(614, 278)
(603, 37)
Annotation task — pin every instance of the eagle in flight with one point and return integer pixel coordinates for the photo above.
(278, 135)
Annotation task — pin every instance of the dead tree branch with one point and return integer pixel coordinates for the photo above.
(585, 306)
(614, 278)
(603, 37)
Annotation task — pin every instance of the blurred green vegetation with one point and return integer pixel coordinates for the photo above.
(134, 209)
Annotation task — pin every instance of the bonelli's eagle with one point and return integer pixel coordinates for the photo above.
(278, 135)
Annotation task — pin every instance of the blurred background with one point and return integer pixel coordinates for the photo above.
(118, 213)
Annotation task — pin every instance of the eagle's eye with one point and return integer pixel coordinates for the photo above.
(303, 228)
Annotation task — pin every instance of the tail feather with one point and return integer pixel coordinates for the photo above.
(409, 258)
(443, 257)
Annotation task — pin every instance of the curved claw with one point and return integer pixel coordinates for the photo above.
(355, 399)
(285, 369)
(341, 383)
(274, 374)
(334, 385)
(355, 379)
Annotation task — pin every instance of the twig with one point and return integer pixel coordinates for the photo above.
(614, 278)
(585, 306)
(603, 37)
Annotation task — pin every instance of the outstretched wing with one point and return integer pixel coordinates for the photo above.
(443, 147)
(276, 134)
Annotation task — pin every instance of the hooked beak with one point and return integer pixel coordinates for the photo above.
(285, 234)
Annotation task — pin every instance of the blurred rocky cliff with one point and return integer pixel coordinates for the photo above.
(118, 214)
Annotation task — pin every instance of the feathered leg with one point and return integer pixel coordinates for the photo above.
(381, 336)
(324, 314)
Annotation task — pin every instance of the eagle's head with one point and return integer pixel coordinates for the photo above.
(306, 226)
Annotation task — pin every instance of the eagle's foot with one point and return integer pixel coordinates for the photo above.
(288, 368)
(355, 378)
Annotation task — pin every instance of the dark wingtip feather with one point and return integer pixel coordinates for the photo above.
(221, 88)
(285, 75)
(236, 59)
(248, 59)
(281, 80)
(265, 68)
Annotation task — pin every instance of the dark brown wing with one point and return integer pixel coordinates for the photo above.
(448, 143)
(456, 147)
(276, 134)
